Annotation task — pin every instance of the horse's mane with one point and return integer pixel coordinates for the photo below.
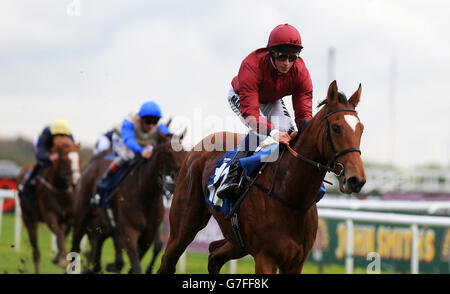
(341, 96)
(303, 124)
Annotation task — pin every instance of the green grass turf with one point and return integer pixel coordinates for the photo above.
(12, 262)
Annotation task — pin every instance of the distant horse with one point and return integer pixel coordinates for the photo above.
(279, 232)
(137, 207)
(53, 196)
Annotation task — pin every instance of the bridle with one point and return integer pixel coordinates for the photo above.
(167, 186)
(52, 187)
(331, 166)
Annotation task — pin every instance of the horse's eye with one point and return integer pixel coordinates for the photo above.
(336, 129)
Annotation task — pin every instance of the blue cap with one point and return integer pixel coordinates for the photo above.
(150, 108)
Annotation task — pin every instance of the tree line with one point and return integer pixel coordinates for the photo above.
(21, 151)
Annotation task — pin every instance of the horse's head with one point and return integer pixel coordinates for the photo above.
(342, 134)
(171, 156)
(67, 164)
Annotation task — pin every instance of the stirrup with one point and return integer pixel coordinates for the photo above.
(231, 190)
(95, 200)
(228, 192)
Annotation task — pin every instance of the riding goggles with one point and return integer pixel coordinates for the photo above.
(281, 56)
(150, 120)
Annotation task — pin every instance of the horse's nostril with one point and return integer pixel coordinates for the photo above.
(362, 183)
(353, 181)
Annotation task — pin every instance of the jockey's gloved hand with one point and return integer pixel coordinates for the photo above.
(281, 137)
(147, 151)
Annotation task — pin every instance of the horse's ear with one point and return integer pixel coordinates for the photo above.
(169, 122)
(332, 95)
(176, 139)
(355, 97)
(161, 135)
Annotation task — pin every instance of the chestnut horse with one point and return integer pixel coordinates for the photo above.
(137, 206)
(278, 233)
(54, 197)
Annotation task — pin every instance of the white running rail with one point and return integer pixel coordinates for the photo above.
(380, 217)
(5, 194)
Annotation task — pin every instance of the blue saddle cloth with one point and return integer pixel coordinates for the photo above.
(25, 193)
(249, 164)
(108, 186)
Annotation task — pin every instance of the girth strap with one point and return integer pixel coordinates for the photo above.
(237, 231)
(275, 196)
(53, 188)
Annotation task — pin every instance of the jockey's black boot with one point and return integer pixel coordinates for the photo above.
(104, 183)
(232, 187)
(27, 188)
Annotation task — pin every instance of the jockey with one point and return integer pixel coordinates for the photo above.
(136, 135)
(104, 143)
(42, 145)
(267, 75)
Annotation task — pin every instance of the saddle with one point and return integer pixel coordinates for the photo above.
(111, 185)
(221, 168)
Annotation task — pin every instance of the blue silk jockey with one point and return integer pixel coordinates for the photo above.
(104, 143)
(42, 145)
(136, 135)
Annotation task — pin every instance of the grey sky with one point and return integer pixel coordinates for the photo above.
(94, 68)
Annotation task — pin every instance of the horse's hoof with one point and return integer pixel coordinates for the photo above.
(92, 272)
(63, 263)
(114, 267)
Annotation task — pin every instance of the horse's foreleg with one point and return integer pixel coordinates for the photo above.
(157, 247)
(186, 219)
(130, 239)
(79, 229)
(264, 264)
(118, 263)
(31, 226)
(96, 252)
(52, 221)
(311, 226)
(222, 251)
(295, 263)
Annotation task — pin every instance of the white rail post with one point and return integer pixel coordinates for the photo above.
(17, 223)
(1, 214)
(415, 249)
(233, 266)
(349, 248)
(83, 243)
(54, 248)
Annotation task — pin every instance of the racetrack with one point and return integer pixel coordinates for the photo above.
(12, 262)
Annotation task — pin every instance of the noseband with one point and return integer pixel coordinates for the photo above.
(331, 166)
(334, 162)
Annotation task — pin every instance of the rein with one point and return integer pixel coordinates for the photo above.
(330, 167)
(51, 187)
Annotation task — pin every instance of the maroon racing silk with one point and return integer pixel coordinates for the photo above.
(258, 81)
